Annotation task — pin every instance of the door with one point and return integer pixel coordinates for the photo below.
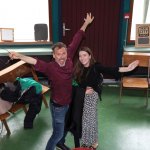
(102, 36)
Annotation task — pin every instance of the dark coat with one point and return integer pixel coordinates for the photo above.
(74, 114)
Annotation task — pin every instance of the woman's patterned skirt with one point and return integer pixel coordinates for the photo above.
(90, 120)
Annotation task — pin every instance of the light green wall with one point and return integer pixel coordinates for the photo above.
(55, 20)
(123, 22)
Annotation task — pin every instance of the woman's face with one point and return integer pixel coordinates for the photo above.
(84, 58)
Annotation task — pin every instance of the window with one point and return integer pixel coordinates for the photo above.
(139, 14)
(22, 15)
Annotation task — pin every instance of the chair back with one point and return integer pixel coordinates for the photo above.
(129, 57)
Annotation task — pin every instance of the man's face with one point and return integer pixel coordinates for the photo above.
(60, 55)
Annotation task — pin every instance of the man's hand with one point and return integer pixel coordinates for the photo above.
(89, 18)
(27, 59)
(14, 55)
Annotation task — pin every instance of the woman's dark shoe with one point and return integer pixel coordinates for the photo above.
(83, 145)
(92, 148)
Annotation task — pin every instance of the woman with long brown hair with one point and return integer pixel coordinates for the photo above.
(86, 73)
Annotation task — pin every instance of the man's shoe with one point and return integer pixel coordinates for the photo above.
(28, 125)
(62, 147)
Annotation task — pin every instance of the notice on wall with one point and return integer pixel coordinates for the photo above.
(142, 35)
(7, 34)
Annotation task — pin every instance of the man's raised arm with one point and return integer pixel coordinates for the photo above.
(27, 59)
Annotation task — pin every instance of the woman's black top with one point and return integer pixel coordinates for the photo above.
(91, 74)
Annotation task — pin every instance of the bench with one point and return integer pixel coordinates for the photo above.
(9, 74)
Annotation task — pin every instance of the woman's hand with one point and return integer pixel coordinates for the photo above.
(131, 66)
(89, 90)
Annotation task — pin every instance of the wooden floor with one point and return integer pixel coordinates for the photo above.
(124, 126)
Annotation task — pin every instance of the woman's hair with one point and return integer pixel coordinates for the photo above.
(78, 68)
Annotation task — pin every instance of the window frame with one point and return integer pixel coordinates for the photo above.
(130, 24)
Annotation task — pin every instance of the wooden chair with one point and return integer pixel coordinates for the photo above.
(135, 81)
(9, 74)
